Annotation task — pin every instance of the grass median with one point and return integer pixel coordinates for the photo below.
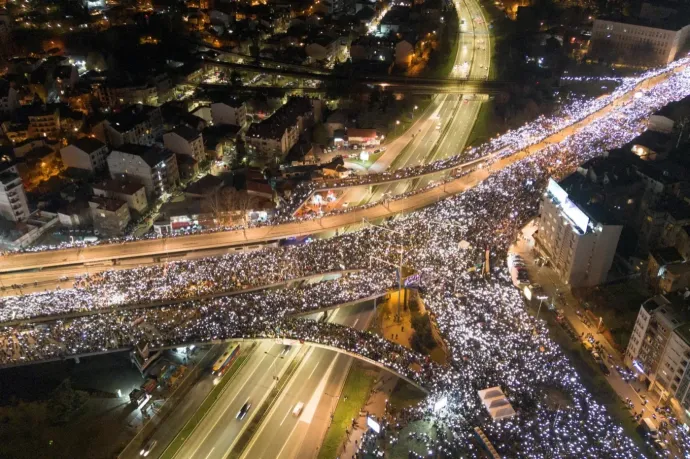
(210, 400)
(353, 397)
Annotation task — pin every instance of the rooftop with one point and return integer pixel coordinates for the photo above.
(673, 23)
(186, 132)
(286, 116)
(88, 144)
(151, 155)
(109, 204)
(129, 117)
(119, 186)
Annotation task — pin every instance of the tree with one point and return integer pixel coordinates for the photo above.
(319, 134)
(65, 402)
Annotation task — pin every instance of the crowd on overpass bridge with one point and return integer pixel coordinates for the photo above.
(504, 145)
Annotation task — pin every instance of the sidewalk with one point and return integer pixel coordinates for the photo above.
(375, 407)
(553, 287)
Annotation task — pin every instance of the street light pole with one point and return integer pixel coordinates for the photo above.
(400, 265)
(541, 301)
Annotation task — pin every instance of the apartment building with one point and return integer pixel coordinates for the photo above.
(43, 121)
(113, 94)
(14, 205)
(575, 236)
(643, 40)
(153, 167)
(184, 140)
(659, 348)
(110, 216)
(229, 111)
(274, 136)
(9, 98)
(134, 194)
(86, 153)
(138, 124)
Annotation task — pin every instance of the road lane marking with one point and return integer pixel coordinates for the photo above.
(285, 417)
(355, 324)
(312, 371)
(210, 452)
(208, 431)
(277, 402)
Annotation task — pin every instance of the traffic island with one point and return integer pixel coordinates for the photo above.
(354, 395)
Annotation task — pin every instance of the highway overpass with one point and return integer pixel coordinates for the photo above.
(104, 253)
(404, 363)
(467, 86)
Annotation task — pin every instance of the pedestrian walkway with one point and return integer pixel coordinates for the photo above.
(554, 288)
(375, 407)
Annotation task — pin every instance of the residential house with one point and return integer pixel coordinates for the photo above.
(153, 167)
(229, 111)
(138, 124)
(110, 216)
(86, 153)
(134, 194)
(184, 140)
(274, 136)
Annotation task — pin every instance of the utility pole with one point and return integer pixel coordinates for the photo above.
(400, 265)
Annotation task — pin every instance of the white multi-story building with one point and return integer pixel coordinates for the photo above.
(580, 248)
(153, 167)
(184, 140)
(638, 41)
(659, 350)
(86, 153)
(230, 111)
(13, 203)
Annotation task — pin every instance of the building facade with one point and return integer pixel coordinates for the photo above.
(229, 112)
(580, 248)
(638, 42)
(14, 205)
(153, 167)
(184, 140)
(133, 194)
(86, 153)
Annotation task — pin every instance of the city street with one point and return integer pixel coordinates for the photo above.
(642, 401)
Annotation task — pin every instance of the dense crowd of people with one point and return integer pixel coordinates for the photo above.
(491, 338)
(123, 328)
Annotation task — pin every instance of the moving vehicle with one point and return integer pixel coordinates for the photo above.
(244, 410)
(225, 360)
(146, 450)
(298, 409)
(649, 427)
(285, 349)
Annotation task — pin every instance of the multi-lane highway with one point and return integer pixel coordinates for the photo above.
(317, 384)
(320, 373)
(445, 127)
